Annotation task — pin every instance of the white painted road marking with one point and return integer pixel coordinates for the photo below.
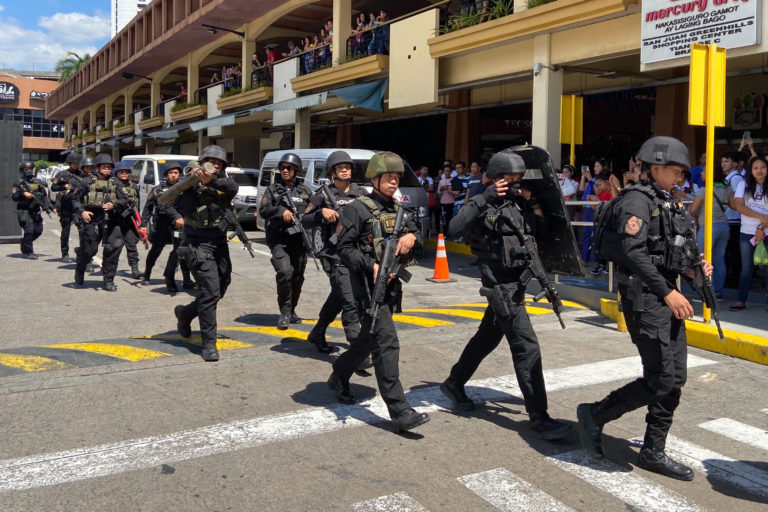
(398, 502)
(738, 431)
(631, 488)
(717, 465)
(109, 459)
(506, 491)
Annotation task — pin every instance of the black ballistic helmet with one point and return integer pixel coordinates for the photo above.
(103, 158)
(291, 158)
(86, 161)
(169, 165)
(664, 151)
(73, 158)
(121, 166)
(214, 151)
(26, 164)
(338, 157)
(505, 162)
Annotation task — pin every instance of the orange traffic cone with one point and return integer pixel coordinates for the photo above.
(441, 274)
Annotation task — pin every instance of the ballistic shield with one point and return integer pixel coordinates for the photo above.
(555, 239)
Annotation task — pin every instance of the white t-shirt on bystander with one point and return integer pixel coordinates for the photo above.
(757, 202)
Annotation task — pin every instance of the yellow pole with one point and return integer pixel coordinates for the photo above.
(709, 179)
(573, 131)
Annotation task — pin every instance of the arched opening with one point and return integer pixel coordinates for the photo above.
(223, 65)
(118, 110)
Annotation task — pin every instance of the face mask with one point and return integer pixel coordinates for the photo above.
(28, 175)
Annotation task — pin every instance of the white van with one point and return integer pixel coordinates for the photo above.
(313, 172)
(148, 170)
(246, 202)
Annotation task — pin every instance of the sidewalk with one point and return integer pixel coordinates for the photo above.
(746, 331)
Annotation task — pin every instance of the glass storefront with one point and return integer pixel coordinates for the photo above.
(35, 124)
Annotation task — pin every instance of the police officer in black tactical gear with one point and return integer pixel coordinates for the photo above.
(492, 224)
(64, 185)
(363, 227)
(284, 238)
(322, 213)
(87, 167)
(92, 204)
(121, 224)
(205, 247)
(165, 227)
(31, 199)
(650, 234)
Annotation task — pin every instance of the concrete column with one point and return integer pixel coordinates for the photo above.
(547, 90)
(108, 114)
(193, 79)
(128, 104)
(202, 141)
(342, 29)
(302, 129)
(154, 98)
(248, 46)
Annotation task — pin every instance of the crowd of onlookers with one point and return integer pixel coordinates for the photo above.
(739, 218)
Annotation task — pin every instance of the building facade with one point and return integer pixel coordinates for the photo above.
(429, 80)
(123, 11)
(22, 98)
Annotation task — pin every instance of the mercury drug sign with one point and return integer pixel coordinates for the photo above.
(671, 26)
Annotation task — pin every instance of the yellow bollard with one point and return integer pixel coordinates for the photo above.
(621, 323)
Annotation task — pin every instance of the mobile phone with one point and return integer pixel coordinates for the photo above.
(747, 135)
(585, 168)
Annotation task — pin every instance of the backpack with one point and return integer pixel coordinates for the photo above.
(606, 237)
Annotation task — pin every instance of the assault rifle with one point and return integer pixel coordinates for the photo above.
(535, 270)
(286, 194)
(388, 266)
(39, 201)
(329, 197)
(704, 286)
(237, 231)
(132, 212)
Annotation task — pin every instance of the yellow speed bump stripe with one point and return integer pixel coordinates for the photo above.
(221, 343)
(118, 351)
(420, 320)
(32, 363)
(464, 313)
(531, 309)
(270, 331)
(335, 323)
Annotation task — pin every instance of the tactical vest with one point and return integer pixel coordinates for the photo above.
(99, 192)
(672, 246)
(382, 226)
(210, 211)
(130, 193)
(497, 239)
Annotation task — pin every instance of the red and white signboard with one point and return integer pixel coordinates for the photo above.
(671, 26)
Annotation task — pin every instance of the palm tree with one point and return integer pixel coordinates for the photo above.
(69, 65)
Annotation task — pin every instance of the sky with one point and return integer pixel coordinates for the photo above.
(35, 34)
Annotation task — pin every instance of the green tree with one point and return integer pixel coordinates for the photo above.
(69, 65)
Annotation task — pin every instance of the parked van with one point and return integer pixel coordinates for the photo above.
(246, 202)
(148, 170)
(313, 172)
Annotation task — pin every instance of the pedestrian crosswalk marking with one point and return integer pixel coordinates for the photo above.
(398, 502)
(269, 331)
(717, 465)
(464, 313)
(420, 320)
(32, 363)
(109, 459)
(738, 431)
(510, 493)
(630, 487)
(118, 351)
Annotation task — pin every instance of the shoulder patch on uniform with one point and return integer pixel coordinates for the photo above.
(655, 212)
(633, 225)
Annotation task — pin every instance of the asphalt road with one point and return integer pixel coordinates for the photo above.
(104, 407)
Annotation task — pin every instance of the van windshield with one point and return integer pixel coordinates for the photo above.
(245, 179)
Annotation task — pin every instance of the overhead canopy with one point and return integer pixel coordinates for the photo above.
(170, 133)
(310, 100)
(369, 95)
(223, 120)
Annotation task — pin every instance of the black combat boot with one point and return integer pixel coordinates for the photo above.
(455, 393)
(79, 279)
(210, 352)
(590, 431)
(285, 319)
(657, 461)
(341, 388)
(29, 256)
(318, 340)
(66, 259)
(145, 279)
(136, 273)
(182, 324)
(170, 284)
(550, 429)
(408, 420)
(109, 286)
(295, 319)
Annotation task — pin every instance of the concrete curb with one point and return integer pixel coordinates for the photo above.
(700, 335)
